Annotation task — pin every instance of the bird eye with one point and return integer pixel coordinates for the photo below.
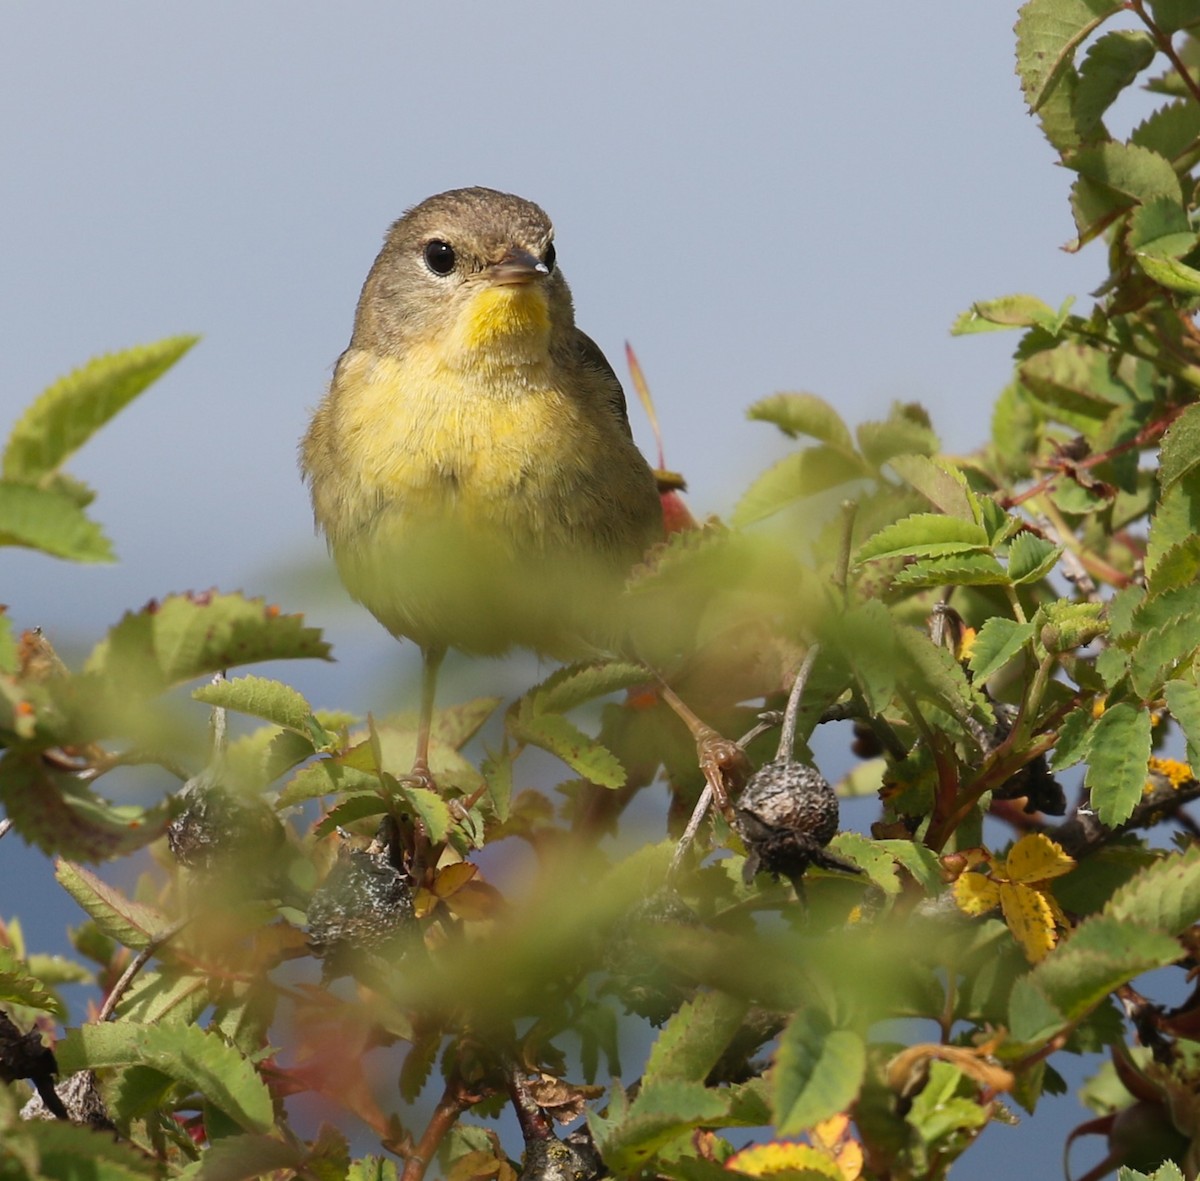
(439, 257)
(549, 257)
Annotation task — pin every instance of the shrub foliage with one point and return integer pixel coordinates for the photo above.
(748, 994)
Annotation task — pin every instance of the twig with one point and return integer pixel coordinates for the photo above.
(138, 962)
(454, 1101)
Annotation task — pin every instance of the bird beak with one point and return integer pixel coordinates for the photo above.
(516, 267)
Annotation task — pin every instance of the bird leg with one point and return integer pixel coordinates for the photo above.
(431, 660)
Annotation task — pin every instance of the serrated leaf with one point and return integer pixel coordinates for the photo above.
(931, 672)
(349, 809)
(997, 642)
(906, 431)
(1165, 895)
(1176, 519)
(1117, 758)
(659, 1114)
(1074, 740)
(1161, 650)
(1167, 608)
(1171, 130)
(803, 414)
(1179, 566)
(818, 1071)
(429, 808)
(372, 1168)
(1031, 558)
(130, 923)
(19, 985)
(76, 1152)
(58, 813)
(1048, 33)
(50, 521)
(584, 755)
(261, 697)
(1169, 272)
(924, 534)
(1112, 62)
(567, 688)
(1102, 954)
(1009, 311)
(65, 416)
(1113, 177)
(1183, 700)
(973, 569)
(796, 477)
(694, 1038)
(1180, 447)
(945, 487)
(243, 1158)
(194, 1057)
(876, 862)
(188, 636)
(1075, 379)
(1161, 228)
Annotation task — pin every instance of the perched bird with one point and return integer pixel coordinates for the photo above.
(472, 465)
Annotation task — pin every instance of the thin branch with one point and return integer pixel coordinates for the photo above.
(138, 962)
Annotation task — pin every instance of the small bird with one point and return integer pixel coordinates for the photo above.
(472, 465)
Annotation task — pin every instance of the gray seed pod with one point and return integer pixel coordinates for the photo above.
(364, 905)
(786, 815)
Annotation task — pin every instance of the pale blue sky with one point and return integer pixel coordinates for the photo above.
(777, 195)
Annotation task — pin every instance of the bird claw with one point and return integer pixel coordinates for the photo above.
(723, 763)
(420, 776)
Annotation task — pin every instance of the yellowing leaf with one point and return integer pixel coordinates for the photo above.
(767, 1160)
(1036, 858)
(1030, 919)
(976, 894)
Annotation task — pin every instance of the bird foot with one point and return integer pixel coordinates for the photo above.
(420, 776)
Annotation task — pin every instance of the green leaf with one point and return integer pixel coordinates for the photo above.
(1009, 311)
(19, 986)
(273, 701)
(1180, 447)
(430, 809)
(66, 415)
(1031, 558)
(243, 1158)
(660, 1113)
(1074, 740)
(1171, 130)
(194, 1057)
(576, 684)
(57, 812)
(998, 641)
(1169, 272)
(1075, 379)
(1183, 700)
(796, 477)
(906, 431)
(818, 1071)
(1112, 63)
(76, 1152)
(924, 534)
(1048, 33)
(584, 755)
(804, 414)
(972, 569)
(944, 486)
(1165, 895)
(50, 521)
(1160, 228)
(193, 635)
(1160, 651)
(937, 1112)
(372, 1168)
(497, 772)
(932, 673)
(877, 862)
(1113, 177)
(128, 922)
(1119, 752)
(694, 1038)
(1102, 954)
(1177, 518)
